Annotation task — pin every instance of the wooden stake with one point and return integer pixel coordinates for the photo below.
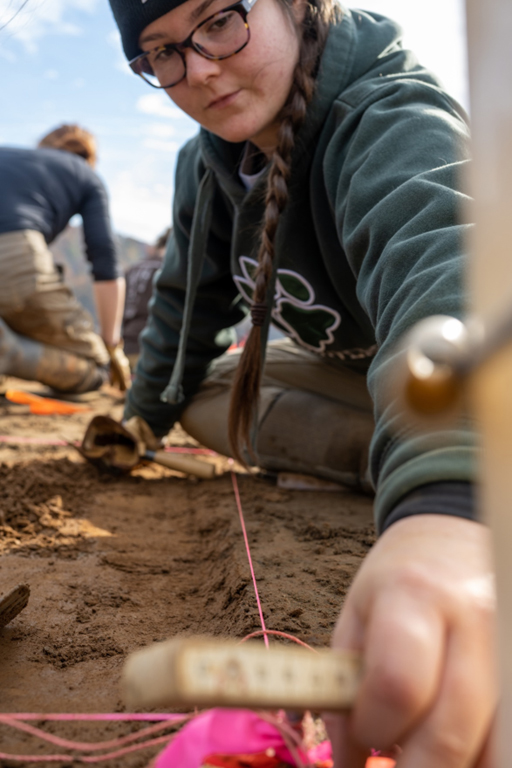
(183, 463)
(490, 59)
(13, 603)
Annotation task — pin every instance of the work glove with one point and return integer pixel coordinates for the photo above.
(143, 434)
(108, 444)
(120, 374)
(113, 445)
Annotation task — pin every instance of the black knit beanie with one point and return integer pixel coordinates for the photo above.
(132, 16)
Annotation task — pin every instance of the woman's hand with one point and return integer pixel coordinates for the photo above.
(422, 612)
(120, 373)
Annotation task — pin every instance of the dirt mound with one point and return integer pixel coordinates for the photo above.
(38, 500)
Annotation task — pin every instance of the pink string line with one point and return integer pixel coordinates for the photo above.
(87, 746)
(128, 717)
(20, 440)
(165, 720)
(277, 633)
(248, 550)
(291, 738)
(195, 451)
(86, 758)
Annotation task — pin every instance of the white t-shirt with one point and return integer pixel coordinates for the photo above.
(252, 166)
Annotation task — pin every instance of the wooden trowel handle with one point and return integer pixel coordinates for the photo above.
(182, 463)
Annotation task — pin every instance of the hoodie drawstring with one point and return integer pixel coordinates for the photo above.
(173, 393)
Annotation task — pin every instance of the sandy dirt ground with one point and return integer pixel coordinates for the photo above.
(117, 562)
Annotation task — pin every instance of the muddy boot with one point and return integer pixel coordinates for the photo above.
(299, 431)
(27, 359)
(306, 433)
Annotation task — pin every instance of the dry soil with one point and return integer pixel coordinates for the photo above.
(117, 562)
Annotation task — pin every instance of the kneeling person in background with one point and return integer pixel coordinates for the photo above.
(45, 333)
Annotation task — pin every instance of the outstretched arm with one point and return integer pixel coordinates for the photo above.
(421, 608)
(109, 295)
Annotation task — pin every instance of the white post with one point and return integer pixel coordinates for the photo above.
(490, 61)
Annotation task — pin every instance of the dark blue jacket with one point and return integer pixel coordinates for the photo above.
(41, 189)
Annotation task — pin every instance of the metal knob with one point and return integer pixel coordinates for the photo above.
(430, 374)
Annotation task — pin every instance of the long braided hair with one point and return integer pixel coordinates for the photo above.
(312, 32)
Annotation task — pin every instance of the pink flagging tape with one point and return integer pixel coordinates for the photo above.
(290, 736)
(248, 550)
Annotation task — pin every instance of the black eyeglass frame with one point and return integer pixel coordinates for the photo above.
(242, 7)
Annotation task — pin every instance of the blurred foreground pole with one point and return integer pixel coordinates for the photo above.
(490, 61)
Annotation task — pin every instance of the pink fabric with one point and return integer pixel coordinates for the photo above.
(222, 731)
(322, 752)
(238, 732)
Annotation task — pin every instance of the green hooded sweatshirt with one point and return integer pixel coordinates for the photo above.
(370, 242)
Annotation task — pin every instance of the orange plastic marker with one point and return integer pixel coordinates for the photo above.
(380, 762)
(43, 405)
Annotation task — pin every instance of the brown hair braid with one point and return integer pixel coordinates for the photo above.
(313, 32)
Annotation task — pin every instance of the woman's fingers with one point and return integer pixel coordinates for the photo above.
(347, 753)
(487, 758)
(452, 733)
(403, 660)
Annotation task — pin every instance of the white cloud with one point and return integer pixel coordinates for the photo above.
(28, 22)
(157, 104)
(160, 130)
(139, 209)
(114, 40)
(436, 34)
(7, 55)
(51, 74)
(161, 146)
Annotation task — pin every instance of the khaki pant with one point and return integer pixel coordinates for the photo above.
(133, 359)
(314, 417)
(35, 302)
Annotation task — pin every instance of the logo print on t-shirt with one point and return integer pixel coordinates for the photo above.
(294, 311)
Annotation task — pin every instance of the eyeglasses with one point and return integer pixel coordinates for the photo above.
(217, 37)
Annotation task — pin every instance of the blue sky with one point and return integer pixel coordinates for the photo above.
(62, 62)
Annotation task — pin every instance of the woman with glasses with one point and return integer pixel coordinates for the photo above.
(322, 195)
